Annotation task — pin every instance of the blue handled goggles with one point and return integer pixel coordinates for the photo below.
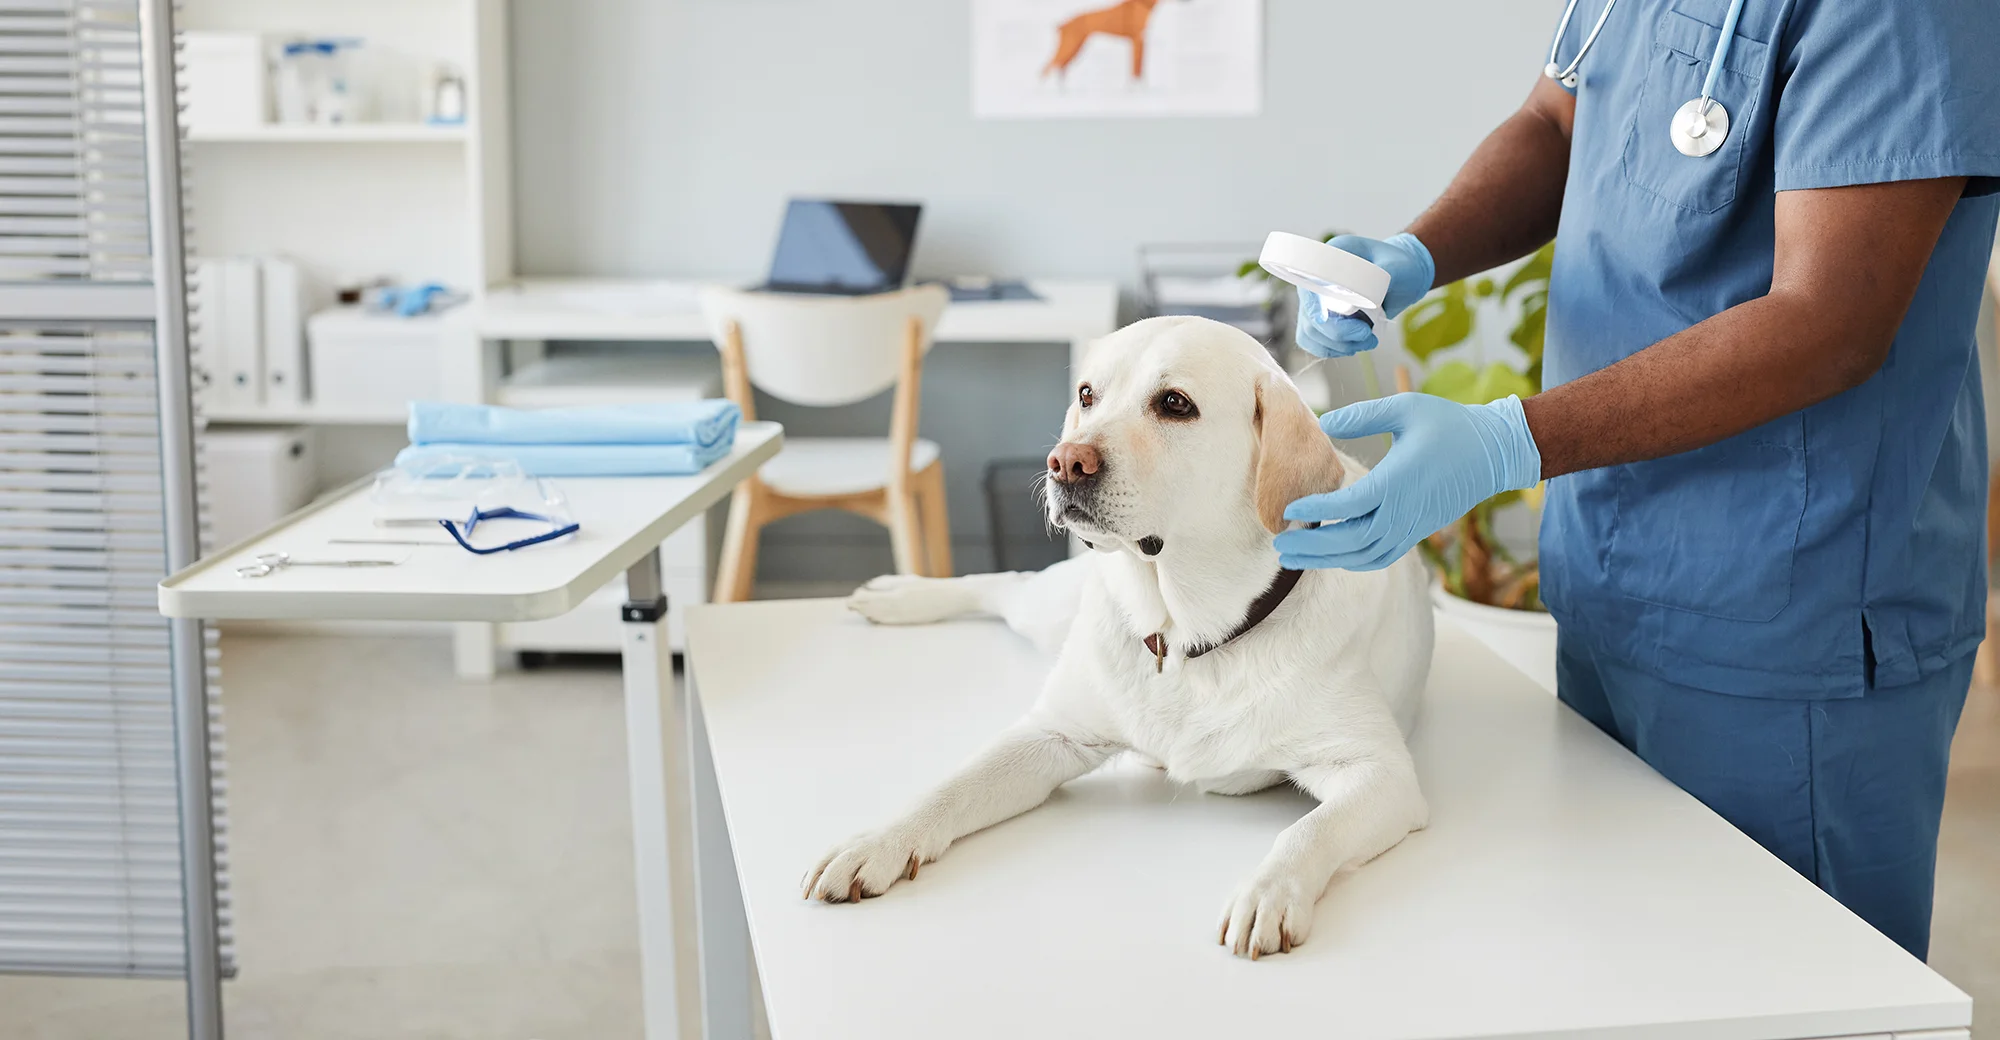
(462, 532)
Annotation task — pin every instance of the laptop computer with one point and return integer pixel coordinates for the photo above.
(836, 248)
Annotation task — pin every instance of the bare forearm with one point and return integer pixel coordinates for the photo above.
(1740, 369)
(1848, 263)
(1506, 199)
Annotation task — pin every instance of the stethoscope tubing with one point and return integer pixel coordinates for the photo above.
(1566, 74)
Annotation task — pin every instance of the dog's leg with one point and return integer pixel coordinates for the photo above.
(903, 599)
(1069, 40)
(1015, 774)
(1242, 783)
(1366, 807)
(1139, 55)
(1040, 605)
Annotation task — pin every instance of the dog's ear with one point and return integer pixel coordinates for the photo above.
(1294, 457)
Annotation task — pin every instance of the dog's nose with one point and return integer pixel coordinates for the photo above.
(1073, 463)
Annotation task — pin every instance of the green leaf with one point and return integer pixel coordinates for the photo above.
(1440, 320)
(1497, 381)
(1529, 332)
(1251, 269)
(1458, 381)
(1453, 381)
(1482, 288)
(1532, 274)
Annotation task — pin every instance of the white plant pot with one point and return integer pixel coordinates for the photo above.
(1525, 639)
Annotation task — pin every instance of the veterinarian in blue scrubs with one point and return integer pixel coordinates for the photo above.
(1763, 430)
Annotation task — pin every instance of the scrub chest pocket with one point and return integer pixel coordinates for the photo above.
(1713, 531)
(1675, 70)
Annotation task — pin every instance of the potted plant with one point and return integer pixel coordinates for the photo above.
(1484, 585)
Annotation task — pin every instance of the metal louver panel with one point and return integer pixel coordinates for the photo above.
(91, 735)
(89, 833)
(72, 150)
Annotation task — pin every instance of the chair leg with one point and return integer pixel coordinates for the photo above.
(905, 537)
(738, 568)
(937, 527)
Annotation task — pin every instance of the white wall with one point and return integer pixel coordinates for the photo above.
(663, 137)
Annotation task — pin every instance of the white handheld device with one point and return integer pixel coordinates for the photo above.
(1344, 283)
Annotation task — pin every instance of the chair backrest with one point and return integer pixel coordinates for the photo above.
(823, 351)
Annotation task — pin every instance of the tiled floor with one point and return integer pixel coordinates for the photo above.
(1965, 929)
(416, 857)
(413, 857)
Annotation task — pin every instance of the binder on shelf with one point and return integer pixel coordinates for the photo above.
(284, 334)
(240, 333)
(205, 327)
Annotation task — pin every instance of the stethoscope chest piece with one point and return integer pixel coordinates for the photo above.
(1700, 127)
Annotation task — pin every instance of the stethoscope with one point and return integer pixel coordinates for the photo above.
(1700, 126)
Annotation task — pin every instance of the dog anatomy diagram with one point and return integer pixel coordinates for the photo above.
(1058, 58)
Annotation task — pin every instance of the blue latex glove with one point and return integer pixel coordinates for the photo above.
(1447, 458)
(1411, 272)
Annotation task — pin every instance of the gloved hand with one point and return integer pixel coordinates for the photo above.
(1410, 275)
(1447, 458)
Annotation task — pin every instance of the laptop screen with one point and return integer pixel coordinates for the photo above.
(844, 247)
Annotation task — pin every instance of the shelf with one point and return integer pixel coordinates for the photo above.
(343, 133)
(303, 415)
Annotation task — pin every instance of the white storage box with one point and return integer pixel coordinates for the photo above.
(370, 361)
(256, 475)
(225, 82)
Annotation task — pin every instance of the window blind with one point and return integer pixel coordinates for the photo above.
(90, 856)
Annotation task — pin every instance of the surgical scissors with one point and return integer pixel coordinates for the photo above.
(273, 562)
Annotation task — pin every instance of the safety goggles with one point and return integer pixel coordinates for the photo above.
(462, 532)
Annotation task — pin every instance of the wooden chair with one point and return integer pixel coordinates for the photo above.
(825, 351)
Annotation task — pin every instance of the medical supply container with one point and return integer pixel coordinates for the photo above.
(365, 360)
(255, 475)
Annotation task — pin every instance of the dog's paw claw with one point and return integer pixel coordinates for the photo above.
(864, 867)
(1270, 914)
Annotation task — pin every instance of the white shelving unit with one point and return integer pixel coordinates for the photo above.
(306, 415)
(406, 200)
(352, 133)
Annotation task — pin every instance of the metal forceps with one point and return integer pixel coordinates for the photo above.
(273, 562)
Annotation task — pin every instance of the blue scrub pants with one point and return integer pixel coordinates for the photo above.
(1847, 792)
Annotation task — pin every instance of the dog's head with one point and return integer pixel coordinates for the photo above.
(1183, 430)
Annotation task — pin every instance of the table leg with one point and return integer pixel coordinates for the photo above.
(669, 977)
(475, 653)
(731, 1005)
(468, 370)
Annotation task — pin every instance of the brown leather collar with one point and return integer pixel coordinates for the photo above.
(1281, 586)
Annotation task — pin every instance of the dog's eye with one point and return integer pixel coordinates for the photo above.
(1175, 405)
(1085, 396)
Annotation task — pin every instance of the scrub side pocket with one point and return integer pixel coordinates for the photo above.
(1713, 531)
(1675, 71)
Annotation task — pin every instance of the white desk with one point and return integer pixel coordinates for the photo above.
(1073, 312)
(624, 521)
(1563, 888)
(540, 309)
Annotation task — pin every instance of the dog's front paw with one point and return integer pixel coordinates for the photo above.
(901, 599)
(1270, 914)
(866, 865)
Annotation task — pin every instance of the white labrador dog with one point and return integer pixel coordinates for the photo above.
(1180, 638)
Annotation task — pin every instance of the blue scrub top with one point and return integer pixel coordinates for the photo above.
(1842, 547)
